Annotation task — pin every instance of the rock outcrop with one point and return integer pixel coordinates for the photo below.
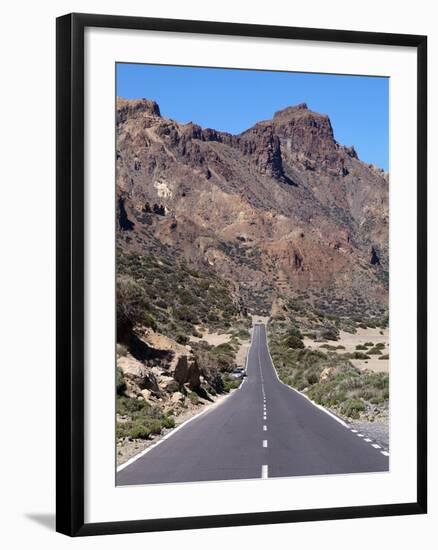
(278, 208)
(161, 366)
(137, 377)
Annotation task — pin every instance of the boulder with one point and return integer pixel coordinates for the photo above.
(137, 374)
(146, 394)
(178, 398)
(177, 361)
(186, 371)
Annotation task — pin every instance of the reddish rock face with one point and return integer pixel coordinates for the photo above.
(262, 145)
(280, 207)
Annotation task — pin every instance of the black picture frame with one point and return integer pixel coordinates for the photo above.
(70, 273)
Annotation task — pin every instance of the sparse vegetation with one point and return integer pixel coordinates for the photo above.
(329, 378)
(330, 347)
(139, 420)
(294, 342)
(169, 296)
(120, 382)
(357, 355)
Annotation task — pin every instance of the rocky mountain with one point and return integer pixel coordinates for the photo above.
(279, 211)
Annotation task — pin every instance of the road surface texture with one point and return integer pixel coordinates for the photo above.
(264, 429)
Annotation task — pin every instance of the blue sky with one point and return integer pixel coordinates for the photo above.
(232, 100)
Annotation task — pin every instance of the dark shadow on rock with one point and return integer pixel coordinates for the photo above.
(46, 520)
(203, 394)
(142, 352)
(289, 181)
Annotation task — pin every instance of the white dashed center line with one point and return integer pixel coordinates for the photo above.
(265, 428)
(369, 440)
(265, 471)
(265, 443)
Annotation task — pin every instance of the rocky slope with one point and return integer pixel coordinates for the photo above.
(278, 209)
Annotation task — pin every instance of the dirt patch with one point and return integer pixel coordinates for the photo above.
(212, 338)
(350, 341)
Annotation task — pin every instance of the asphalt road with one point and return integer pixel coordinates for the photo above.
(264, 429)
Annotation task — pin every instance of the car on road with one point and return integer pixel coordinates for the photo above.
(238, 372)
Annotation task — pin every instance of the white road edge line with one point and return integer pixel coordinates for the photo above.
(368, 440)
(376, 446)
(384, 453)
(320, 407)
(265, 471)
(265, 443)
(360, 435)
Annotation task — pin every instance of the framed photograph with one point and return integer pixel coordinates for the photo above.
(241, 274)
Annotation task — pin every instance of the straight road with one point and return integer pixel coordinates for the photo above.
(264, 429)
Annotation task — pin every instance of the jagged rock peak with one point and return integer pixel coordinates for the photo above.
(143, 105)
(293, 109)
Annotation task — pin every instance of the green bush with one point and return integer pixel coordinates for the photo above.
(361, 347)
(294, 331)
(194, 398)
(120, 382)
(386, 356)
(168, 422)
(139, 428)
(173, 386)
(230, 383)
(132, 306)
(294, 342)
(359, 355)
(352, 408)
(374, 351)
(330, 333)
(127, 406)
(182, 339)
(312, 377)
(330, 347)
